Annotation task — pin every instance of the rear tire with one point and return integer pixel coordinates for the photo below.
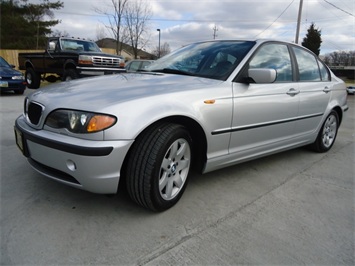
(158, 166)
(33, 79)
(327, 134)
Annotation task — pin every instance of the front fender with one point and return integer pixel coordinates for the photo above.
(69, 64)
(134, 117)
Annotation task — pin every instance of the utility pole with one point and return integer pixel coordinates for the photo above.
(299, 21)
(37, 34)
(215, 29)
(159, 44)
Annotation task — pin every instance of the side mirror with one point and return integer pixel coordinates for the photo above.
(262, 75)
(51, 46)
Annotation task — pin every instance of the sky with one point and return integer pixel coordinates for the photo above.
(185, 21)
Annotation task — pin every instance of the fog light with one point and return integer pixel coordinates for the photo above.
(71, 165)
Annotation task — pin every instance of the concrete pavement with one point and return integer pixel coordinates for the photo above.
(295, 207)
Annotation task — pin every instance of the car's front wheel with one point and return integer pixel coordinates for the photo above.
(158, 166)
(327, 134)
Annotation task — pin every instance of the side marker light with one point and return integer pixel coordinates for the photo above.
(209, 101)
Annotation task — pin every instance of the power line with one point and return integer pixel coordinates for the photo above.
(173, 20)
(275, 19)
(339, 8)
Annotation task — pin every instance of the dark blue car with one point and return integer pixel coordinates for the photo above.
(11, 79)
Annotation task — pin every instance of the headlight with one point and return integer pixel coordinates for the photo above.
(18, 77)
(85, 60)
(80, 122)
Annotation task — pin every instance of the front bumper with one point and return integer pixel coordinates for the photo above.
(12, 85)
(98, 71)
(85, 164)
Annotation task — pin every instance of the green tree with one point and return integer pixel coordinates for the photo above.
(24, 25)
(313, 39)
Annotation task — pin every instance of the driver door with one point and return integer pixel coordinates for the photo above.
(264, 114)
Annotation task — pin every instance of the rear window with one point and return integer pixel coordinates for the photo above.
(307, 65)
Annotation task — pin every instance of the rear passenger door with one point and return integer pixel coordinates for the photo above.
(315, 90)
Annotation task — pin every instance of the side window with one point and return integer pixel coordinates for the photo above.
(307, 65)
(324, 72)
(275, 56)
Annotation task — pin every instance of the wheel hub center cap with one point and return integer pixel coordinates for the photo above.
(173, 168)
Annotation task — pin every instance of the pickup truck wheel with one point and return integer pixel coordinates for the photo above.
(70, 74)
(158, 166)
(33, 79)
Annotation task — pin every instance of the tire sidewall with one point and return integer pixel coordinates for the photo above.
(158, 201)
(70, 74)
(319, 141)
(34, 78)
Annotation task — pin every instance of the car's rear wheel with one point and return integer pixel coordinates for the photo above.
(327, 134)
(33, 79)
(158, 166)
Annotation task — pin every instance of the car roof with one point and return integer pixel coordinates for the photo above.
(249, 40)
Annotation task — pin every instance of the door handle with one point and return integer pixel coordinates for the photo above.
(292, 92)
(326, 89)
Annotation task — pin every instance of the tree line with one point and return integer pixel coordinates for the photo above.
(313, 41)
(26, 26)
(23, 24)
(340, 58)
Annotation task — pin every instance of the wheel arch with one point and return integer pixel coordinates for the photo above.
(28, 64)
(199, 140)
(339, 111)
(69, 64)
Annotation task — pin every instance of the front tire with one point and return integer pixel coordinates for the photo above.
(70, 74)
(327, 134)
(158, 166)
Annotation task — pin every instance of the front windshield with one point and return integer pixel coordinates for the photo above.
(215, 59)
(79, 45)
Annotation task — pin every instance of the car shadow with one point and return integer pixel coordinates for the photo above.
(9, 94)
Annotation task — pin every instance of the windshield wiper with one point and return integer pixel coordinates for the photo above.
(173, 71)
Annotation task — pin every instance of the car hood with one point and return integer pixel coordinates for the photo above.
(98, 92)
(9, 72)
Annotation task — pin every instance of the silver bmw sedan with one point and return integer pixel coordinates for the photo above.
(207, 105)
